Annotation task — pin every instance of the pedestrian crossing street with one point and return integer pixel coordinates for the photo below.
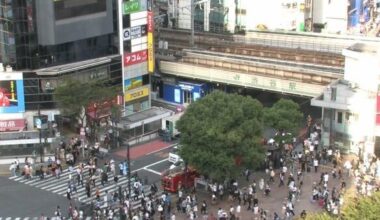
(59, 186)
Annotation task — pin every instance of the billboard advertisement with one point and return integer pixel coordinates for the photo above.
(136, 94)
(133, 83)
(11, 93)
(136, 57)
(150, 53)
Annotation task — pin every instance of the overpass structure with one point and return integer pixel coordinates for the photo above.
(298, 65)
(259, 73)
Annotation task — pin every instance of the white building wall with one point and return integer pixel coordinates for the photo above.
(274, 14)
(184, 14)
(333, 13)
(231, 15)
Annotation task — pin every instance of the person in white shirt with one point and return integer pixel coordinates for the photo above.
(238, 210)
(326, 178)
(12, 168)
(316, 164)
(329, 154)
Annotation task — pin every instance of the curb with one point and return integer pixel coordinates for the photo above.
(4, 174)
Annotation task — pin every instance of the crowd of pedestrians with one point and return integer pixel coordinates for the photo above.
(286, 171)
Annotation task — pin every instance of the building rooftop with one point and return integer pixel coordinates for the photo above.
(55, 70)
(144, 117)
(365, 47)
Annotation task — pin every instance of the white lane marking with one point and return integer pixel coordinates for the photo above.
(153, 152)
(152, 171)
(161, 161)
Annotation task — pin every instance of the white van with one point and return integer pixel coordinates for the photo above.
(173, 155)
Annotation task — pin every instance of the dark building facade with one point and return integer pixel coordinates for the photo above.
(38, 34)
(50, 40)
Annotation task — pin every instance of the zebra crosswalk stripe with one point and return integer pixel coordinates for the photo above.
(59, 186)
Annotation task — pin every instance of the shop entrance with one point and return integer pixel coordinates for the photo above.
(187, 96)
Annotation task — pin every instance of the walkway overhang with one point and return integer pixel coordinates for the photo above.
(144, 117)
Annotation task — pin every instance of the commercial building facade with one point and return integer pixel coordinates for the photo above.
(138, 55)
(49, 41)
(351, 107)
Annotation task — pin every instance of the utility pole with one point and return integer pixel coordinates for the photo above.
(192, 23)
(129, 180)
(40, 133)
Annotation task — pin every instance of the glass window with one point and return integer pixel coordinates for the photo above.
(340, 117)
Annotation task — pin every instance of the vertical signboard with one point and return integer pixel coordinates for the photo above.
(150, 22)
(150, 53)
(150, 28)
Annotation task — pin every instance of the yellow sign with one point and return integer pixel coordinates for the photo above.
(130, 96)
(150, 53)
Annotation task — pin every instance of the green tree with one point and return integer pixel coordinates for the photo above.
(284, 115)
(73, 97)
(219, 130)
(354, 208)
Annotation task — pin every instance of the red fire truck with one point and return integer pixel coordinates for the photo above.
(178, 177)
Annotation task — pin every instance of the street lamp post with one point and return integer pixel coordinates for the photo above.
(129, 180)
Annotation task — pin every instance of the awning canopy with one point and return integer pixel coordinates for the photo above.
(144, 117)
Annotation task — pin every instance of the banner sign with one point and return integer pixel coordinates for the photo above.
(140, 93)
(150, 53)
(134, 58)
(12, 125)
(131, 6)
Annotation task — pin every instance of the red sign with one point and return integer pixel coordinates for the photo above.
(150, 22)
(12, 125)
(102, 109)
(136, 57)
(378, 110)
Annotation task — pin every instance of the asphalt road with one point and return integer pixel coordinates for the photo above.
(22, 200)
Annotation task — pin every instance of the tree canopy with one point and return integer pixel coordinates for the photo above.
(73, 97)
(284, 115)
(219, 130)
(354, 208)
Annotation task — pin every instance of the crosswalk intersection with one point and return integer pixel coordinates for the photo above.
(59, 185)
